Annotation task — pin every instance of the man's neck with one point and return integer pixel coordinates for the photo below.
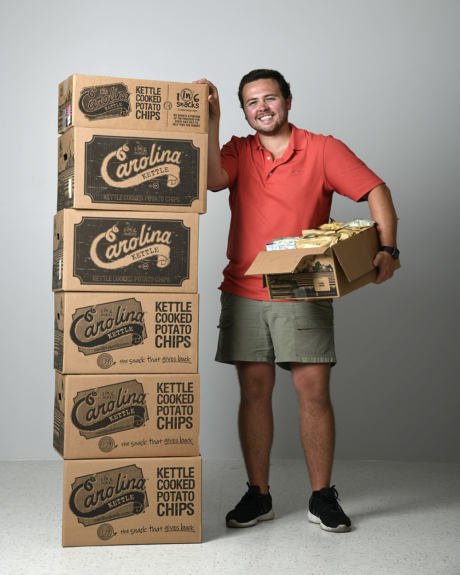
(277, 143)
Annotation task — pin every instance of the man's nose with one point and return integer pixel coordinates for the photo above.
(263, 106)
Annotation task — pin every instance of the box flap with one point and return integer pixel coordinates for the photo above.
(357, 253)
(281, 261)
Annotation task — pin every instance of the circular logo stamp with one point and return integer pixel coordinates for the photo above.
(105, 532)
(138, 421)
(167, 105)
(186, 95)
(105, 360)
(136, 339)
(106, 444)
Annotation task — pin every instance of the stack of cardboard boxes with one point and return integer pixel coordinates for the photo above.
(131, 185)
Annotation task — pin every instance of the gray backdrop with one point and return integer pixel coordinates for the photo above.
(381, 76)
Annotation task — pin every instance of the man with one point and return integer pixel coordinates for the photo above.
(281, 181)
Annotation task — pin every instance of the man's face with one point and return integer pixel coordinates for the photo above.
(265, 108)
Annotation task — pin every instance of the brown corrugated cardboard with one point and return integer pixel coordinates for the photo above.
(104, 333)
(132, 170)
(319, 273)
(127, 104)
(131, 501)
(115, 416)
(125, 251)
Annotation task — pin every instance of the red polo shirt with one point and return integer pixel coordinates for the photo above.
(280, 198)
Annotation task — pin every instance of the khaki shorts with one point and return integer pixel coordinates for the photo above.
(275, 332)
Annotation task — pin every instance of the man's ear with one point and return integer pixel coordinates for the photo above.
(288, 102)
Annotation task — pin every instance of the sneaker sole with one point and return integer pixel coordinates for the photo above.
(266, 517)
(339, 529)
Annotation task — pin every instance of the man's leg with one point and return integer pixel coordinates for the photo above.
(317, 430)
(255, 419)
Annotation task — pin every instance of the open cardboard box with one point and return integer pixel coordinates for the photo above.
(319, 273)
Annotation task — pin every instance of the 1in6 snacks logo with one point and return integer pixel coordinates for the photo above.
(145, 171)
(108, 326)
(108, 101)
(109, 409)
(108, 495)
(131, 252)
(188, 99)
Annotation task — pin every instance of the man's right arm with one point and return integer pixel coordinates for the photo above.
(217, 177)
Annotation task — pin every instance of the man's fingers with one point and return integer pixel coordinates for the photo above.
(384, 262)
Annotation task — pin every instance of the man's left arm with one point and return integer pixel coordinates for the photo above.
(384, 215)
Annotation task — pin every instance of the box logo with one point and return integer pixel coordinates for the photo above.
(108, 495)
(108, 326)
(186, 98)
(131, 252)
(109, 409)
(108, 101)
(147, 171)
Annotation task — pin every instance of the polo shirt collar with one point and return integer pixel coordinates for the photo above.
(298, 139)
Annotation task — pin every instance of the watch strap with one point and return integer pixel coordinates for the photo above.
(393, 251)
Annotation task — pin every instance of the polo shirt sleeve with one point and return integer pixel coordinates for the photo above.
(229, 155)
(345, 173)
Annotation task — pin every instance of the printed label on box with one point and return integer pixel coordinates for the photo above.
(107, 101)
(110, 409)
(315, 278)
(120, 170)
(108, 326)
(109, 495)
(131, 251)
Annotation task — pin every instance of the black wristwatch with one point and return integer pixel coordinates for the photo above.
(393, 251)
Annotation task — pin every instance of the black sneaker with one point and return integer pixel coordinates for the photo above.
(324, 509)
(253, 507)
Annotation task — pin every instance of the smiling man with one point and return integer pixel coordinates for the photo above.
(282, 180)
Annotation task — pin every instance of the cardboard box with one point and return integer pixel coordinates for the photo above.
(127, 104)
(319, 273)
(131, 501)
(104, 333)
(115, 416)
(132, 170)
(125, 251)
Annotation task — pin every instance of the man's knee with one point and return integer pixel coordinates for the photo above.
(256, 381)
(312, 383)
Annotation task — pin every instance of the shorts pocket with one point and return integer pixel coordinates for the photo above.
(309, 323)
(225, 321)
(314, 339)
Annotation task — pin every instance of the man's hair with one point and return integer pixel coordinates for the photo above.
(284, 86)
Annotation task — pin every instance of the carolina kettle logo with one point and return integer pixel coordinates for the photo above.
(108, 495)
(132, 172)
(108, 326)
(146, 171)
(108, 101)
(109, 409)
(132, 251)
(122, 253)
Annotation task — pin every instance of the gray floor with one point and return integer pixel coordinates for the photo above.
(405, 520)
